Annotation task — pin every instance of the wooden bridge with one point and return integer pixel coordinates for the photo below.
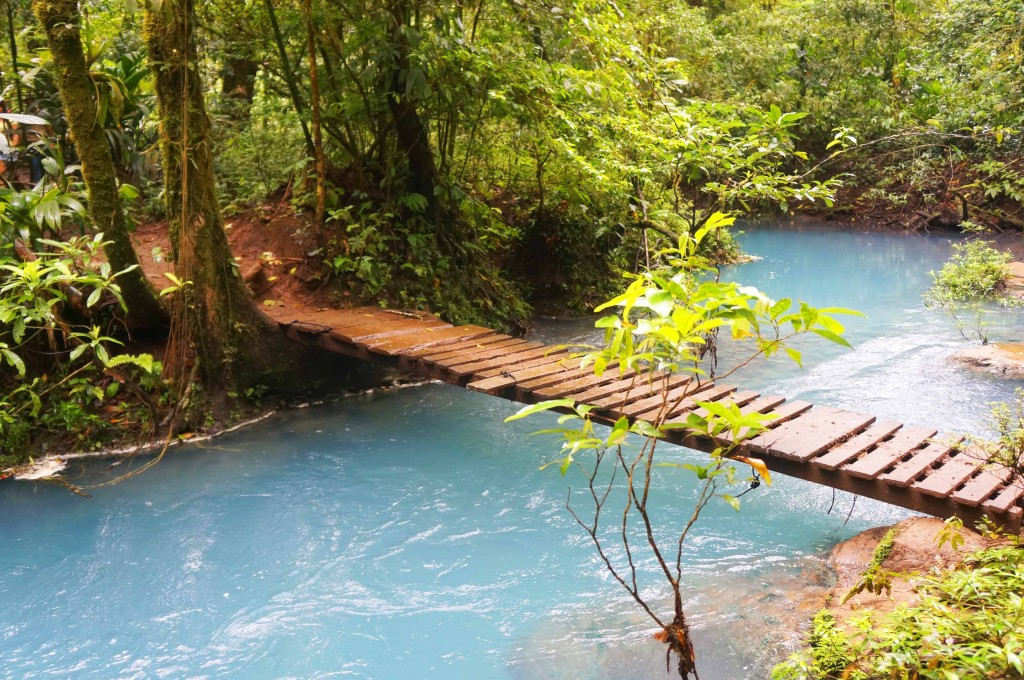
(907, 466)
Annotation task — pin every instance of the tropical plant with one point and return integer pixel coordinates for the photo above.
(37, 214)
(965, 623)
(1004, 453)
(666, 323)
(55, 356)
(124, 101)
(970, 286)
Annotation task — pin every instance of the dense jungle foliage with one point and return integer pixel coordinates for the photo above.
(480, 159)
(475, 158)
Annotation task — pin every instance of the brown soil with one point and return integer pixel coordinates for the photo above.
(275, 250)
(935, 205)
(1002, 359)
(854, 209)
(915, 551)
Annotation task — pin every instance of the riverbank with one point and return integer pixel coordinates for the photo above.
(1002, 359)
(49, 468)
(921, 594)
(913, 550)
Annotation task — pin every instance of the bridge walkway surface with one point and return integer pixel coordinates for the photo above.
(909, 466)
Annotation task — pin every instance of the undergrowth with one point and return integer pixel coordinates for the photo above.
(968, 622)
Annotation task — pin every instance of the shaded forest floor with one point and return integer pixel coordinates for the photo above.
(941, 205)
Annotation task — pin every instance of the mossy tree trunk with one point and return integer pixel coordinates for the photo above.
(314, 99)
(410, 129)
(217, 331)
(59, 19)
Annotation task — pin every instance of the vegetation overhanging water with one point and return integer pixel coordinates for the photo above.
(411, 534)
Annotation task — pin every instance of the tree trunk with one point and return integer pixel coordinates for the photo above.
(13, 40)
(59, 19)
(220, 335)
(238, 83)
(289, 75)
(314, 97)
(413, 139)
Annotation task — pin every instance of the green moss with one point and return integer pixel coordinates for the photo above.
(59, 19)
(884, 548)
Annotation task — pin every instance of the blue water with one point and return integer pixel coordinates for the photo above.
(410, 534)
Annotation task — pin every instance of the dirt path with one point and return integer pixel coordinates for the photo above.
(276, 255)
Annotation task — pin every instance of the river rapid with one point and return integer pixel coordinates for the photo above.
(412, 534)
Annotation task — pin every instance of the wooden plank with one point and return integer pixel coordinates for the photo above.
(681, 411)
(786, 412)
(889, 452)
(815, 431)
(737, 398)
(678, 399)
(1007, 498)
(498, 349)
(909, 470)
(613, 379)
(943, 480)
(553, 378)
(338, 318)
(471, 352)
(383, 329)
(305, 327)
(501, 357)
(508, 347)
(436, 353)
(405, 343)
(367, 330)
(511, 378)
(361, 316)
(464, 349)
(763, 404)
(783, 413)
(570, 387)
(629, 396)
(989, 479)
(640, 383)
(624, 400)
(491, 385)
(673, 393)
(542, 359)
(850, 449)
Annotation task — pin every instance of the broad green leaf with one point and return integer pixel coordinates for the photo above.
(841, 310)
(646, 429)
(541, 406)
(77, 352)
(733, 502)
(551, 430)
(829, 335)
(15, 361)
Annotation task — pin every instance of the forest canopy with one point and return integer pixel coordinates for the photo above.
(480, 159)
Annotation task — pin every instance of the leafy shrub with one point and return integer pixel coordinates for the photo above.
(976, 272)
(260, 154)
(59, 372)
(966, 624)
(968, 284)
(392, 254)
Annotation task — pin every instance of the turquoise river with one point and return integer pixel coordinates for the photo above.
(411, 533)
